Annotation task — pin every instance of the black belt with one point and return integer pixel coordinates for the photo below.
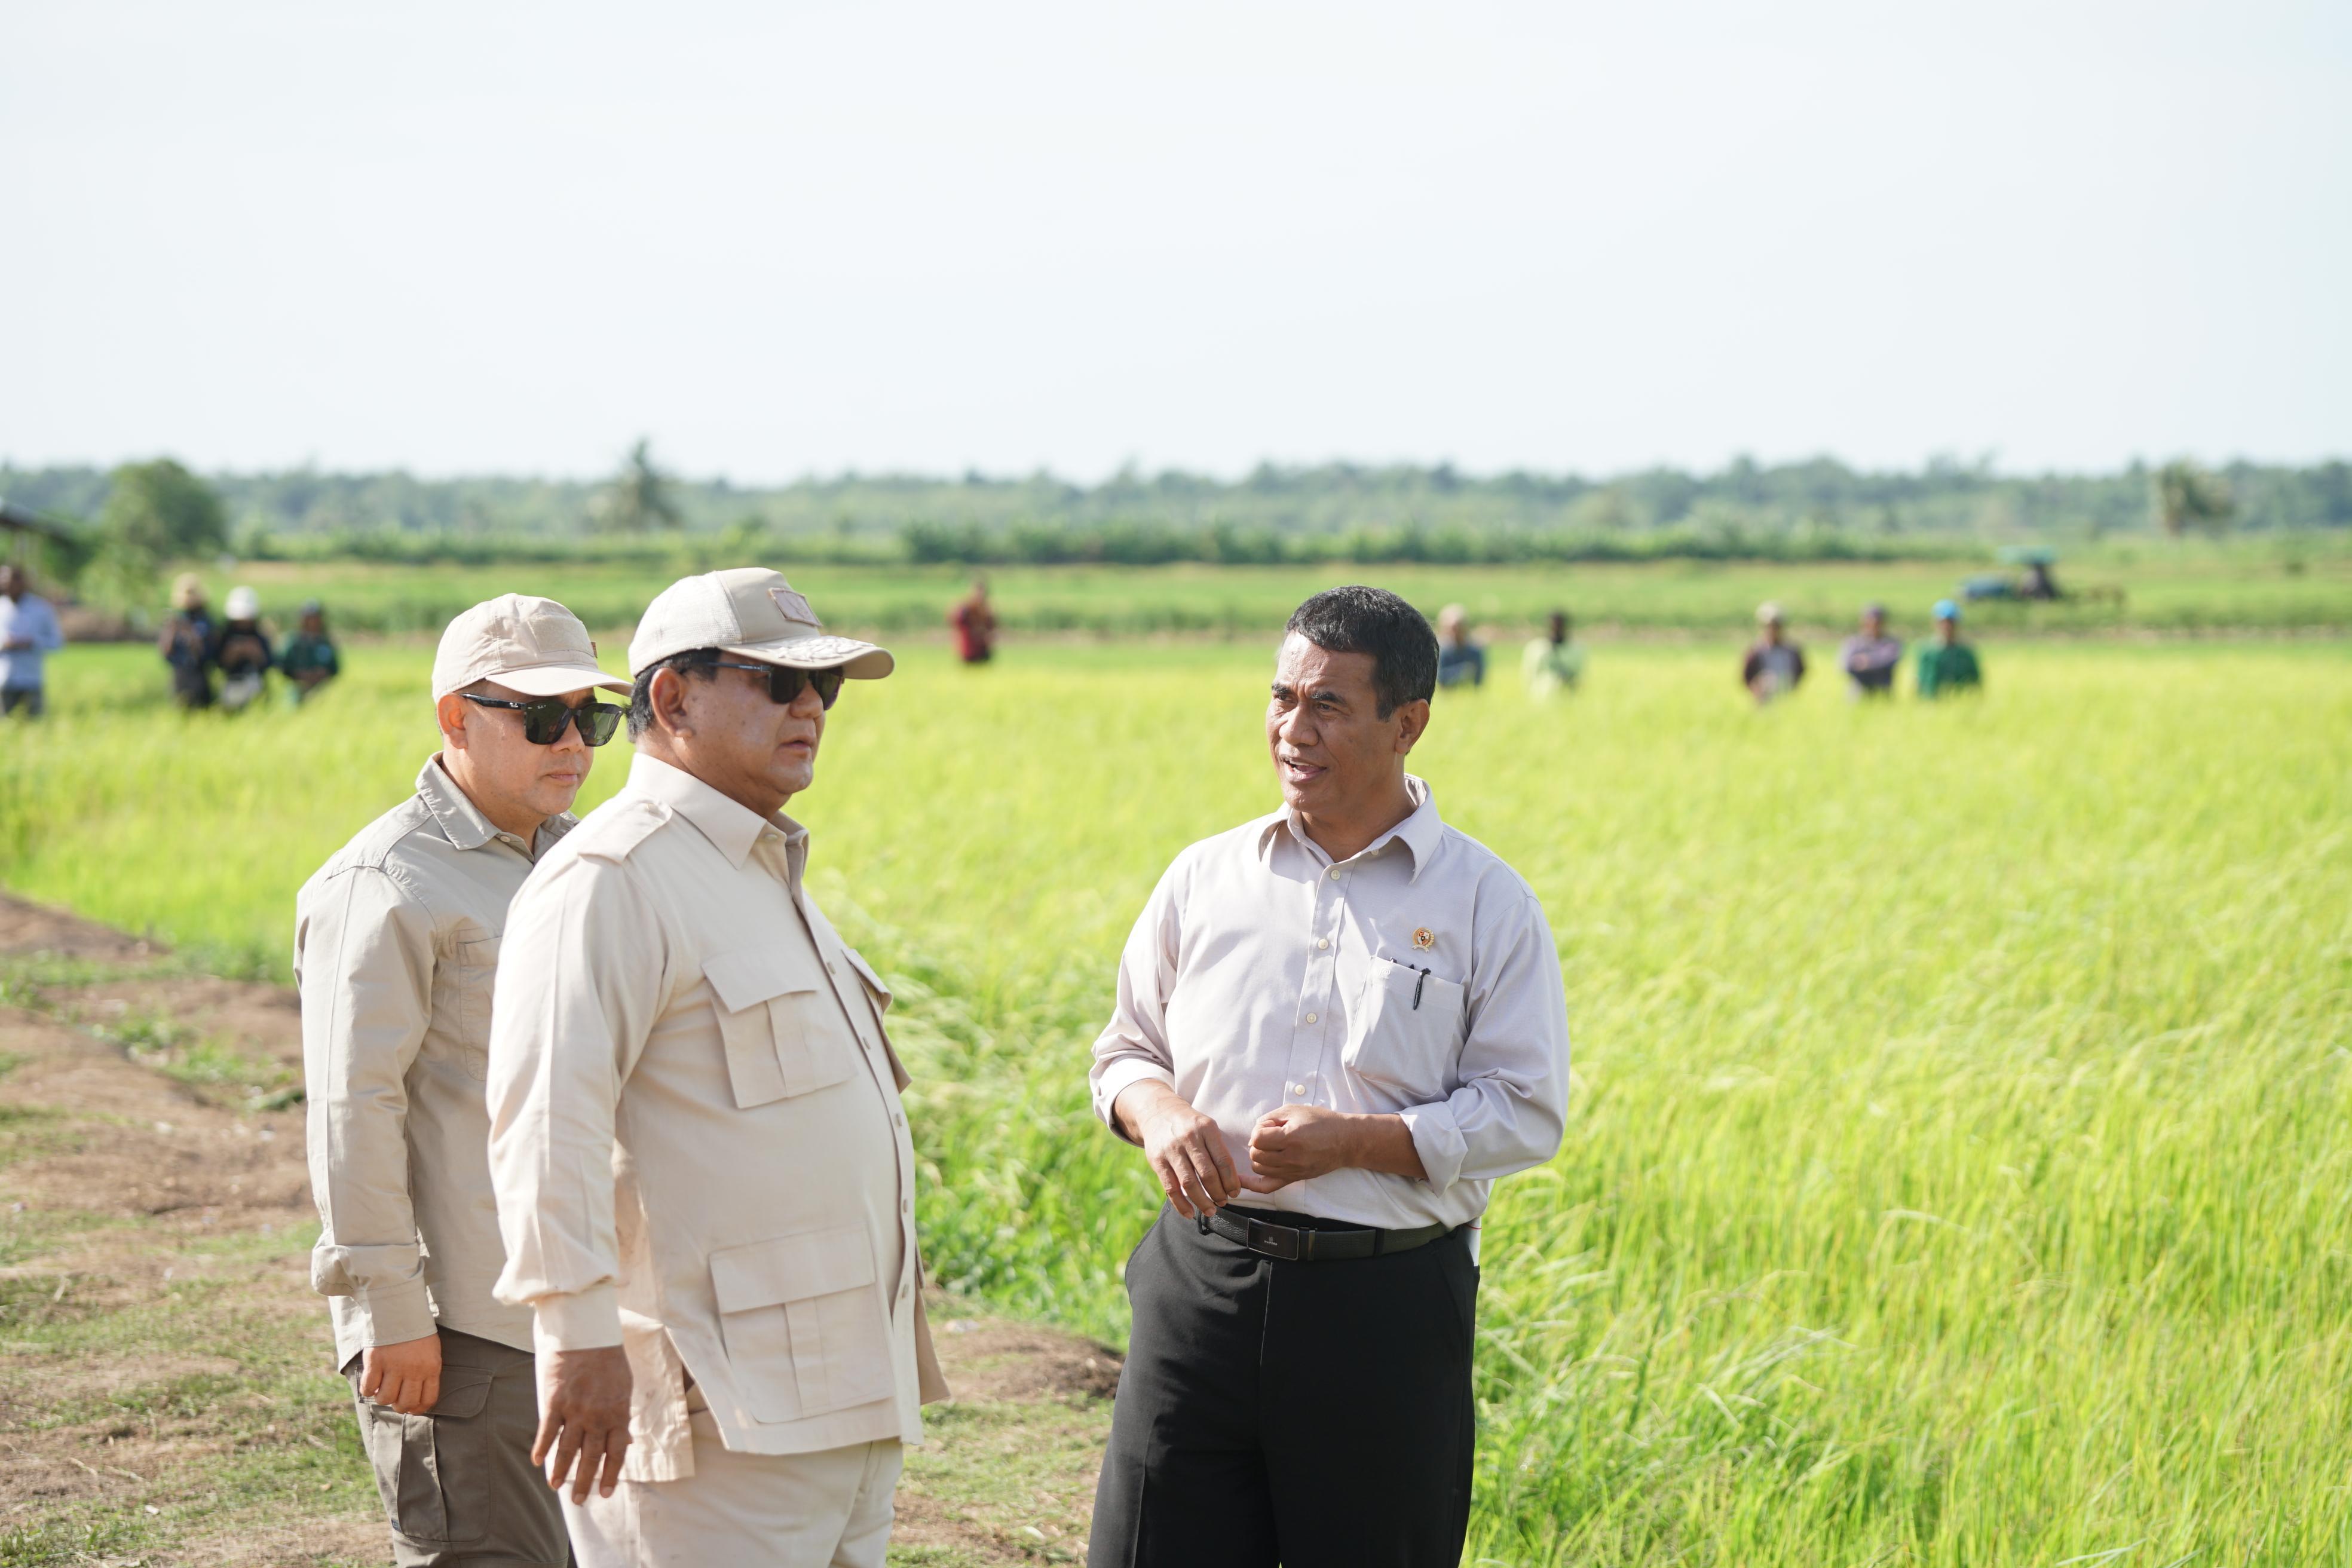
(1300, 1244)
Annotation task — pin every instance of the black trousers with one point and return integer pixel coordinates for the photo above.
(1311, 1414)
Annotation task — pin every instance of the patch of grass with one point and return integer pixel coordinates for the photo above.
(1964, 1091)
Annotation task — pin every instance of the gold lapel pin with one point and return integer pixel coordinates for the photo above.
(1424, 939)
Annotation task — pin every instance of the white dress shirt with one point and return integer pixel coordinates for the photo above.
(1416, 978)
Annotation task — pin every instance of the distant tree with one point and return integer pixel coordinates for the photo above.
(159, 512)
(637, 498)
(2183, 495)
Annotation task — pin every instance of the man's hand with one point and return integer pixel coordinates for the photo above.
(583, 1415)
(1186, 1151)
(1299, 1142)
(404, 1376)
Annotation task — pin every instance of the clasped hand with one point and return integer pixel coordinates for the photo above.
(1187, 1154)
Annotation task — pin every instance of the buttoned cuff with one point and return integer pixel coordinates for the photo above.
(1117, 1079)
(394, 1313)
(1438, 1142)
(585, 1321)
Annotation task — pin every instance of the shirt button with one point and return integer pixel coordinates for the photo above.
(1335, 873)
(1310, 1017)
(905, 1205)
(1298, 1088)
(1321, 943)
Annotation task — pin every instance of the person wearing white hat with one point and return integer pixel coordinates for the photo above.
(703, 1169)
(1774, 665)
(396, 949)
(242, 650)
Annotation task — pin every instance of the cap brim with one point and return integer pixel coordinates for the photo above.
(857, 660)
(555, 679)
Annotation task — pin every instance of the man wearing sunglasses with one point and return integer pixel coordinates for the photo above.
(702, 1166)
(395, 944)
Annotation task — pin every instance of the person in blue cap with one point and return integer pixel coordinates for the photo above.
(1948, 665)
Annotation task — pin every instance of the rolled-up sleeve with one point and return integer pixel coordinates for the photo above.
(1133, 1045)
(579, 984)
(363, 961)
(1512, 1106)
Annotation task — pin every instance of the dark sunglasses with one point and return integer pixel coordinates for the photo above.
(543, 720)
(784, 684)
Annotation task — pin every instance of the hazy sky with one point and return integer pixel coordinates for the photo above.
(780, 237)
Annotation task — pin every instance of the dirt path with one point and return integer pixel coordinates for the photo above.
(165, 1396)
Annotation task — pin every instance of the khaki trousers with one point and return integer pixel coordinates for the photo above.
(827, 1509)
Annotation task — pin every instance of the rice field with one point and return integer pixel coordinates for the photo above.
(1957, 1165)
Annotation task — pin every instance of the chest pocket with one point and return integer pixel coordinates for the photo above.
(461, 1000)
(784, 1031)
(1409, 1051)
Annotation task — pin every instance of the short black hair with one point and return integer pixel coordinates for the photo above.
(699, 663)
(1357, 619)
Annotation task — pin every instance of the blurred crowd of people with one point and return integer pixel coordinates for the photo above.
(235, 648)
(1946, 665)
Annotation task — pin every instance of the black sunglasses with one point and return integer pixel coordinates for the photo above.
(784, 684)
(543, 721)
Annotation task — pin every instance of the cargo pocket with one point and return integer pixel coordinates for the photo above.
(805, 1327)
(784, 1033)
(432, 1471)
(1406, 1035)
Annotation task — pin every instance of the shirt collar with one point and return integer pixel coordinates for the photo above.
(734, 830)
(1421, 832)
(462, 821)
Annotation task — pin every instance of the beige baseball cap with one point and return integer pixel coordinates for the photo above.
(529, 644)
(752, 613)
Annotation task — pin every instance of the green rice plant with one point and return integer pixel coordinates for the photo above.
(1956, 1165)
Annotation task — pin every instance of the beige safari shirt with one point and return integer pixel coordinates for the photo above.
(396, 941)
(696, 1134)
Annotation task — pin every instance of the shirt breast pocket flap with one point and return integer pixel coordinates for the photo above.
(1407, 1033)
(783, 1030)
(803, 1324)
(463, 1002)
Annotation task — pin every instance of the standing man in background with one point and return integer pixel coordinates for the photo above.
(1870, 656)
(1774, 665)
(1337, 1025)
(188, 642)
(1461, 660)
(28, 633)
(974, 625)
(1553, 662)
(395, 942)
(308, 656)
(703, 1169)
(1948, 665)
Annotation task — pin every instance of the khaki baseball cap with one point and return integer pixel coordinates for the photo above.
(752, 613)
(529, 644)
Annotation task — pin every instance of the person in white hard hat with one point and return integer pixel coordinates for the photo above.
(703, 1169)
(395, 948)
(243, 653)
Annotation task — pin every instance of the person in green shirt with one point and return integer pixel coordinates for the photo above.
(1552, 663)
(1948, 665)
(308, 657)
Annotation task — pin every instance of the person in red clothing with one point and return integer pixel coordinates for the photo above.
(974, 624)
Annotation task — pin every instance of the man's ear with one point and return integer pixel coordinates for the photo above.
(451, 713)
(666, 696)
(1413, 719)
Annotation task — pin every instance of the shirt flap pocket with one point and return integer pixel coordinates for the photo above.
(465, 1390)
(746, 978)
(791, 1268)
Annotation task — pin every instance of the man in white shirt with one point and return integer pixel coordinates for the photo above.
(1336, 1026)
(28, 631)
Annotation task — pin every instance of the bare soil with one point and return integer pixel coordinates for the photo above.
(138, 1199)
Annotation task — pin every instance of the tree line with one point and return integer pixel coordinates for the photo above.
(122, 524)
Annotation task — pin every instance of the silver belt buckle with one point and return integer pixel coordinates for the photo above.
(1270, 1239)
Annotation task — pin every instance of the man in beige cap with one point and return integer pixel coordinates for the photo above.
(395, 942)
(703, 1169)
